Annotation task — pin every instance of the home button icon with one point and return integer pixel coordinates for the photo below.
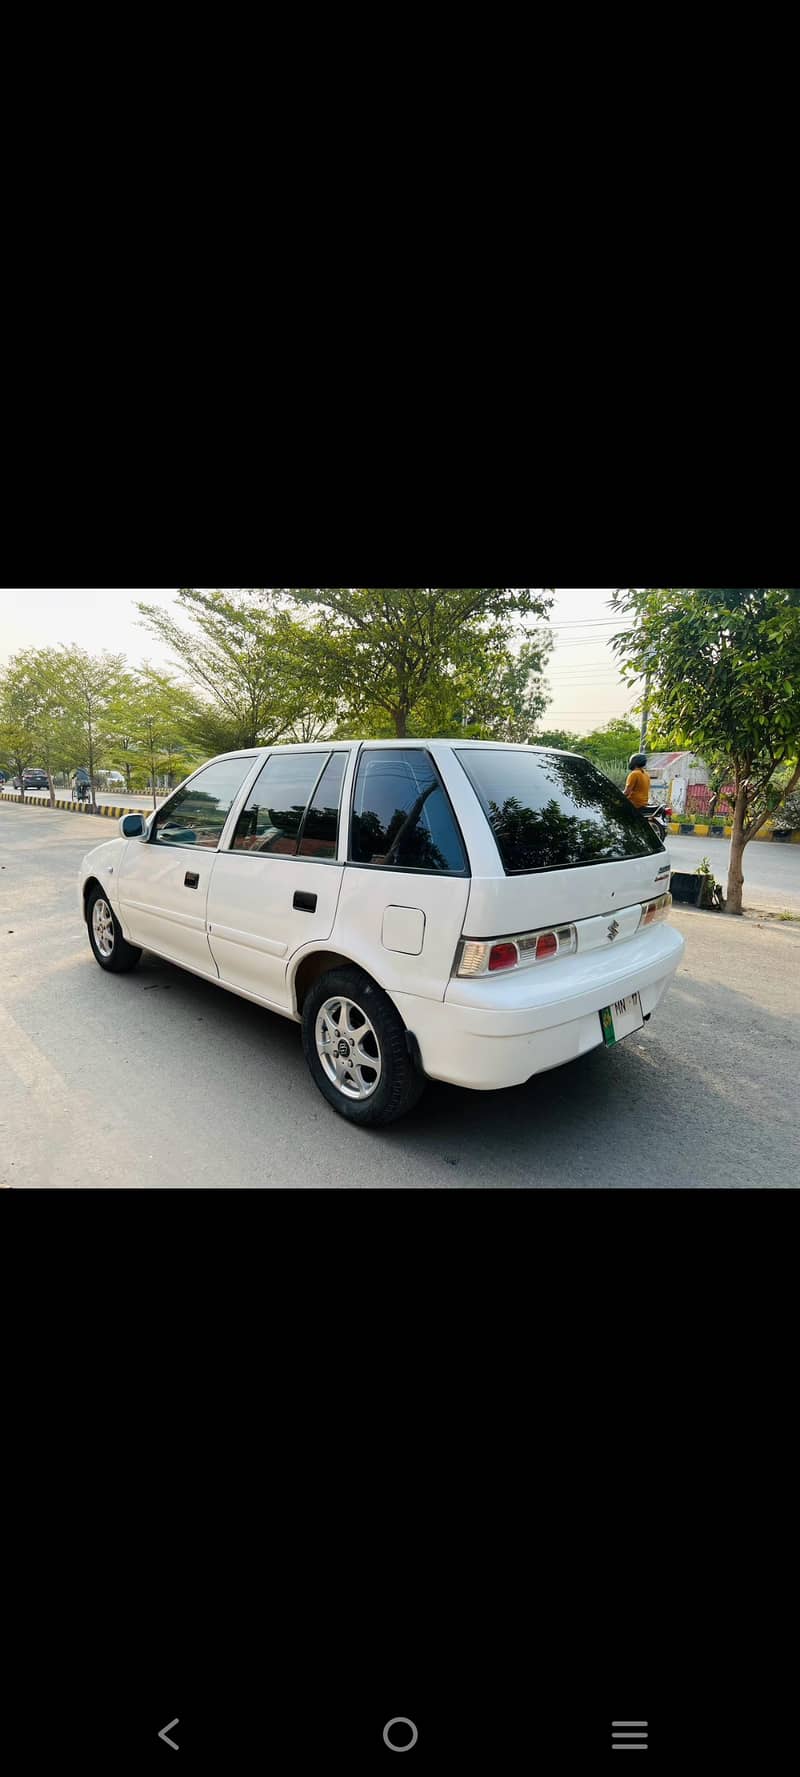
(396, 1734)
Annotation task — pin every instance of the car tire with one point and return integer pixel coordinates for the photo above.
(346, 1008)
(110, 948)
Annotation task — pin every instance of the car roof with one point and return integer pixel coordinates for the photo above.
(412, 740)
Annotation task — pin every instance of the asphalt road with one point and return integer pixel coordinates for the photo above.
(158, 1078)
(771, 871)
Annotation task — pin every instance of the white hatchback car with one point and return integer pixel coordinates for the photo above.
(425, 909)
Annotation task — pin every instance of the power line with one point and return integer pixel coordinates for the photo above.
(587, 623)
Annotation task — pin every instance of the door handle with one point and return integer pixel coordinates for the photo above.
(191, 879)
(303, 902)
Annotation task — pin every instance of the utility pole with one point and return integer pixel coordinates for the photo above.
(645, 711)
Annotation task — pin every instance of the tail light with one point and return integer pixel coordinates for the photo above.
(490, 956)
(654, 911)
(502, 956)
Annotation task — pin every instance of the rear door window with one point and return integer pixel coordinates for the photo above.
(553, 811)
(321, 825)
(273, 813)
(402, 819)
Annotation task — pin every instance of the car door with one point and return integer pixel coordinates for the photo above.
(276, 886)
(163, 885)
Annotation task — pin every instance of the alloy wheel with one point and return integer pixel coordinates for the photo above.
(348, 1048)
(103, 928)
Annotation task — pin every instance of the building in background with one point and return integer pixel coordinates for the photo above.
(681, 780)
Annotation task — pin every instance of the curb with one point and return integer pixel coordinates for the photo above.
(113, 813)
(701, 831)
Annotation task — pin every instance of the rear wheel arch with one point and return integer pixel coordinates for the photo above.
(322, 962)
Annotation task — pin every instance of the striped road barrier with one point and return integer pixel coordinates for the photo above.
(702, 831)
(73, 807)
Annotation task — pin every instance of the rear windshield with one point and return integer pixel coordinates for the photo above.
(552, 811)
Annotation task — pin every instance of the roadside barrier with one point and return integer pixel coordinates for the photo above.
(701, 830)
(71, 807)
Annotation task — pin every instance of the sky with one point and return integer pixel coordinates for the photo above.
(585, 686)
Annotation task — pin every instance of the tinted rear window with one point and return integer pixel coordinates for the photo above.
(551, 811)
(401, 816)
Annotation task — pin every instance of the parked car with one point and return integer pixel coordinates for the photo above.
(461, 911)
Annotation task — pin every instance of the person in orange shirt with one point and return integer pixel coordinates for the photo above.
(637, 787)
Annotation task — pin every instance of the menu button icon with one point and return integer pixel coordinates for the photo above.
(629, 1736)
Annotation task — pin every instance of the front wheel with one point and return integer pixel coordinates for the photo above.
(354, 1041)
(111, 950)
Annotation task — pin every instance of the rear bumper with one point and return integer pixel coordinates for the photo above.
(488, 1034)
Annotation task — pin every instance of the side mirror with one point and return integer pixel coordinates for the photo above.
(133, 826)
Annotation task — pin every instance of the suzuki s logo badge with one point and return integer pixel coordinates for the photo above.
(613, 929)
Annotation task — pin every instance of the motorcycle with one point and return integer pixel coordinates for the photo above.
(658, 817)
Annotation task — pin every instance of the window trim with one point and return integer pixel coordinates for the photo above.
(221, 759)
(343, 752)
(250, 784)
(405, 869)
(538, 869)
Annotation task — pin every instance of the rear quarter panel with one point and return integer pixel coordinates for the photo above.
(359, 929)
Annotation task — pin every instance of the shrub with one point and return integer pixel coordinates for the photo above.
(787, 817)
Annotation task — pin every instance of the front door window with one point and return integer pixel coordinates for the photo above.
(197, 814)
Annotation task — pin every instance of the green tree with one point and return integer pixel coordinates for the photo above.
(251, 660)
(425, 659)
(124, 744)
(34, 712)
(161, 726)
(54, 731)
(153, 726)
(616, 740)
(91, 689)
(560, 738)
(725, 669)
(508, 694)
(19, 710)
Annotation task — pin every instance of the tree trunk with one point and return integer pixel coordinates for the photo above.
(733, 894)
(400, 720)
(52, 791)
(91, 770)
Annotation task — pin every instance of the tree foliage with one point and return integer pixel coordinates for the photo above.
(725, 669)
(267, 665)
(254, 664)
(427, 659)
(90, 688)
(559, 738)
(36, 716)
(153, 721)
(616, 740)
(20, 701)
